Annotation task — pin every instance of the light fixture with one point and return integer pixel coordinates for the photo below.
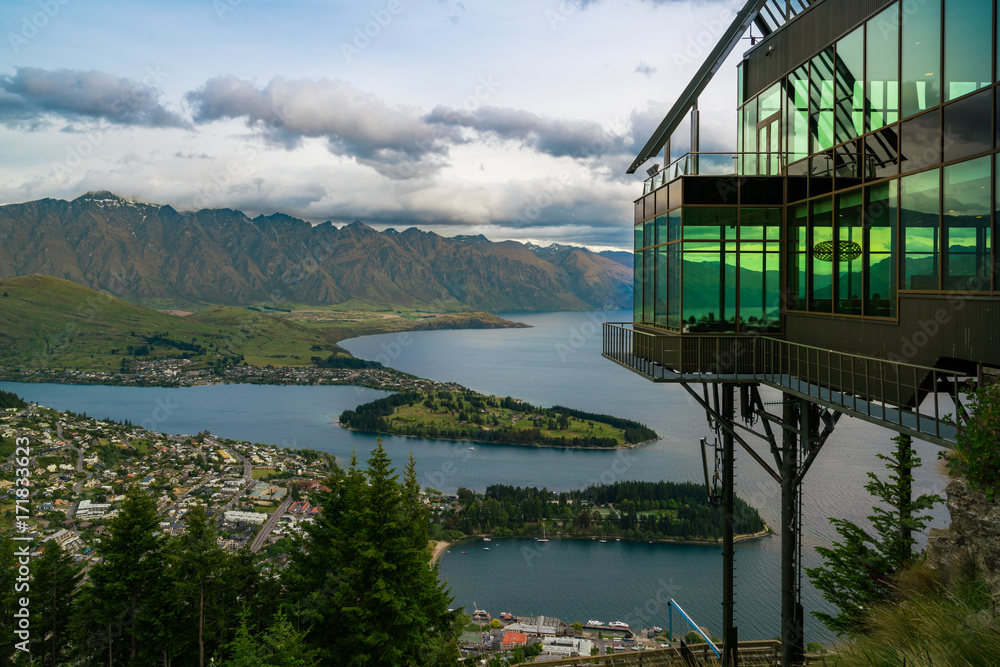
(652, 171)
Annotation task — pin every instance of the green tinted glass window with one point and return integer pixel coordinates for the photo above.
(850, 89)
(881, 251)
(882, 59)
(637, 289)
(847, 258)
(968, 44)
(704, 222)
(821, 266)
(920, 221)
(821, 112)
(797, 117)
(674, 286)
(661, 287)
(966, 239)
(798, 254)
(921, 38)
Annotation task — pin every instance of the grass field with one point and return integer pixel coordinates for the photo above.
(50, 323)
(485, 415)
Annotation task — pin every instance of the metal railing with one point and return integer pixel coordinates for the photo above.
(884, 391)
(762, 163)
(752, 654)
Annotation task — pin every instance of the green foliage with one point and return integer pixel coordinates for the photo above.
(471, 416)
(858, 571)
(641, 511)
(119, 615)
(280, 646)
(341, 361)
(54, 580)
(928, 625)
(9, 399)
(363, 586)
(976, 455)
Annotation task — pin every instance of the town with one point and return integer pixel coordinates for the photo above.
(185, 373)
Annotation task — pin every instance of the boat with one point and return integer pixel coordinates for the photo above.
(593, 622)
(487, 539)
(618, 624)
(472, 448)
(603, 541)
(464, 552)
(543, 538)
(486, 548)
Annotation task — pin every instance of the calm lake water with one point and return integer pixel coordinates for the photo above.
(556, 361)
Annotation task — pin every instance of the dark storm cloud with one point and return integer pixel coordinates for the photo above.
(396, 141)
(555, 137)
(32, 97)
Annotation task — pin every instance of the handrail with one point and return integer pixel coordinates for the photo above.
(668, 657)
(884, 391)
(689, 164)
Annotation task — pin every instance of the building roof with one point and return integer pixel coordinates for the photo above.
(515, 638)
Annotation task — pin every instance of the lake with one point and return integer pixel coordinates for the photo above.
(556, 361)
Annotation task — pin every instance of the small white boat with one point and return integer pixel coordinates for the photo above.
(472, 448)
(487, 539)
(593, 622)
(486, 548)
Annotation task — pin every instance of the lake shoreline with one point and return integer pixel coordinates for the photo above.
(744, 537)
(500, 444)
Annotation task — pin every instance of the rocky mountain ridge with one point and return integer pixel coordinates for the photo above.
(148, 253)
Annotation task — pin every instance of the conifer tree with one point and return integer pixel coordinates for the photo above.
(198, 568)
(118, 614)
(54, 577)
(383, 604)
(858, 570)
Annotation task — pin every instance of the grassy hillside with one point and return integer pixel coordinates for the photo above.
(51, 323)
(48, 322)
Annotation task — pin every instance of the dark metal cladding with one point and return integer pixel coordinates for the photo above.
(803, 37)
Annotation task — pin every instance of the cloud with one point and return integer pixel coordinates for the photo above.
(32, 97)
(395, 141)
(555, 137)
(645, 69)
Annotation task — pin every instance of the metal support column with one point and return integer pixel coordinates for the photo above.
(730, 640)
(791, 608)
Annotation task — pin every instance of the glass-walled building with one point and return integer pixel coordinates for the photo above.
(863, 194)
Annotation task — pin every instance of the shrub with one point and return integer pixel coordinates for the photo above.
(976, 455)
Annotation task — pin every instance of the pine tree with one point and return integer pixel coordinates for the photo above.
(858, 570)
(380, 603)
(118, 615)
(54, 579)
(199, 567)
(9, 594)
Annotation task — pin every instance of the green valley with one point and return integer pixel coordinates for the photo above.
(50, 324)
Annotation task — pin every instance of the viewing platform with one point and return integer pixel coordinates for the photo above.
(908, 398)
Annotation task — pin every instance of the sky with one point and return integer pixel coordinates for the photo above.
(515, 119)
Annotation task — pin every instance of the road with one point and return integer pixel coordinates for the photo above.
(269, 525)
(247, 477)
(79, 461)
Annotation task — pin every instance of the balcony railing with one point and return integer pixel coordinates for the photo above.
(905, 397)
(718, 164)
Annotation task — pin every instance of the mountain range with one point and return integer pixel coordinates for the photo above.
(156, 255)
